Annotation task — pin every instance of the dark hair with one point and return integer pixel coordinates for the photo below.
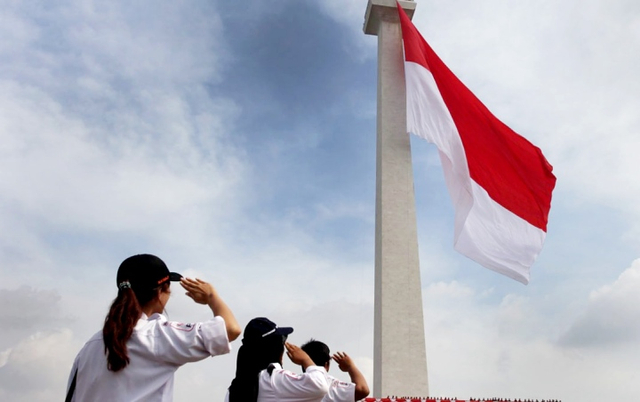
(253, 357)
(317, 351)
(123, 315)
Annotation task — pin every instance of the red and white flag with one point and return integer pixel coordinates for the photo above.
(499, 182)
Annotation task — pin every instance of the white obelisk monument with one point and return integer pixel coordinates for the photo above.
(400, 362)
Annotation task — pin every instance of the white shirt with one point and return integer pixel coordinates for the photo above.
(156, 349)
(340, 391)
(284, 386)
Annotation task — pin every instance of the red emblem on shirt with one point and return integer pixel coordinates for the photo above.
(181, 326)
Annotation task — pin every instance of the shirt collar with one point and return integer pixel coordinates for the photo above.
(144, 319)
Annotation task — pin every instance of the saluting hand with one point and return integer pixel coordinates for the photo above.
(200, 291)
(297, 355)
(344, 361)
(204, 293)
(347, 365)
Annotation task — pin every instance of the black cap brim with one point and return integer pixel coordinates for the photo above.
(174, 277)
(284, 330)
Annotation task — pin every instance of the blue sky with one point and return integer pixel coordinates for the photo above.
(236, 140)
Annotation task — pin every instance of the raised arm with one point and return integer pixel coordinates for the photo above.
(204, 293)
(298, 356)
(347, 365)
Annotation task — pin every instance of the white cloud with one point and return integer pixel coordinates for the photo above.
(110, 127)
(477, 348)
(37, 368)
(65, 177)
(609, 318)
(27, 311)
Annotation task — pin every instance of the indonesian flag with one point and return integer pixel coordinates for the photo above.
(499, 182)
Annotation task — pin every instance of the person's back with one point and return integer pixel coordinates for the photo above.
(145, 379)
(153, 360)
(277, 384)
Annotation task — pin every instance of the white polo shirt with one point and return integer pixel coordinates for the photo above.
(340, 391)
(284, 386)
(156, 349)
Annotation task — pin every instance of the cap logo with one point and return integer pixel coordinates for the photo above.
(166, 278)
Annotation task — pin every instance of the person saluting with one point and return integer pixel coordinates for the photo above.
(137, 352)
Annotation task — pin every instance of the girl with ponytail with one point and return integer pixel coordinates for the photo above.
(138, 350)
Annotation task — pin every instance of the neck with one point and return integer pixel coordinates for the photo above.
(154, 306)
(148, 311)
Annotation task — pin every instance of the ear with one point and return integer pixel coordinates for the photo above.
(165, 288)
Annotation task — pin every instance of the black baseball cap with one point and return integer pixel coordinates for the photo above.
(144, 272)
(262, 327)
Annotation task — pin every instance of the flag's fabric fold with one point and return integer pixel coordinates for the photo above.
(499, 182)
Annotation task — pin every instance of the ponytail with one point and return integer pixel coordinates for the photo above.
(123, 315)
(118, 327)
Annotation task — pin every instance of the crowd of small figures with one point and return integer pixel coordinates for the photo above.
(406, 399)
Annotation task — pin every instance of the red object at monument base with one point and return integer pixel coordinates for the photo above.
(455, 400)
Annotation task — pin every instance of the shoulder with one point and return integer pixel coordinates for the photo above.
(276, 369)
(96, 339)
(159, 322)
(275, 373)
(314, 379)
(91, 354)
(334, 382)
(340, 391)
(182, 342)
(273, 368)
(159, 319)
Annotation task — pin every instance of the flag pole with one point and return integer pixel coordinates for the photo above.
(400, 363)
